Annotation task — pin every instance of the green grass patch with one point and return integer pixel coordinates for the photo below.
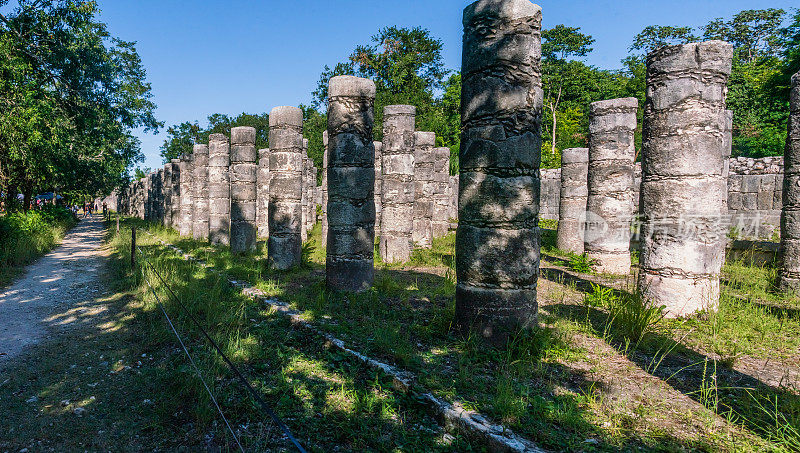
(25, 236)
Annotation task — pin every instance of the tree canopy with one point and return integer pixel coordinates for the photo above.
(71, 96)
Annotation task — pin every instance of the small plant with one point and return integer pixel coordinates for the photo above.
(581, 263)
(633, 316)
(601, 296)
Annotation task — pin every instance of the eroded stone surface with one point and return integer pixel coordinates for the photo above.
(219, 190)
(497, 241)
(200, 192)
(351, 184)
(286, 186)
(397, 193)
(422, 233)
(186, 177)
(324, 188)
(572, 206)
(609, 202)
(790, 215)
(683, 188)
(243, 175)
(440, 217)
(262, 202)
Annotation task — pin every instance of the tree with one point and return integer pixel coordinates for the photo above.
(71, 94)
(407, 68)
(754, 33)
(559, 44)
(656, 36)
(182, 137)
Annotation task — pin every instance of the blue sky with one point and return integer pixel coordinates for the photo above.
(205, 57)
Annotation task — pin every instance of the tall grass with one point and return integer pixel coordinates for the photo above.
(25, 236)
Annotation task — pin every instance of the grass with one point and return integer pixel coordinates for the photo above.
(25, 236)
(550, 384)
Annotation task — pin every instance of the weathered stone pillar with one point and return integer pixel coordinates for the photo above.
(424, 142)
(324, 188)
(304, 194)
(609, 205)
(351, 175)
(440, 216)
(397, 194)
(497, 241)
(790, 214)
(682, 188)
(263, 193)
(284, 246)
(175, 191)
(243, 189)
(167, 194)
(200, 192)
(572, 205)
(219, 190)
(378, 183)
(187, 171)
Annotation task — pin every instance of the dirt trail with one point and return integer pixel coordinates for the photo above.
(52, 292)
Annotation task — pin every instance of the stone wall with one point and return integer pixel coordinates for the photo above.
(754, 194)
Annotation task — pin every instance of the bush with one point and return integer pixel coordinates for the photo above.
(24, 236)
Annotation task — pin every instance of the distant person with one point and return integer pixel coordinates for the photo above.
(85, 209)
(104, 209)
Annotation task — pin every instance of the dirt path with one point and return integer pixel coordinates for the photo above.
(52, 293)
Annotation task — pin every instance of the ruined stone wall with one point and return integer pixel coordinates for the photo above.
(754, 194)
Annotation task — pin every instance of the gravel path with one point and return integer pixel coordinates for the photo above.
(54, 293)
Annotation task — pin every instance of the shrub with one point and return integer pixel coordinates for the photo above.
(24, 236)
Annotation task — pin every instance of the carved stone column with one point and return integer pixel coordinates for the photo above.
(219, 190)
(200, 192)
(284, 246)
(497, 241)
(243, 174)
(790, 215)
(683, 188)
(351, 178)
(397, 215)
(572, 204)
(610, 204)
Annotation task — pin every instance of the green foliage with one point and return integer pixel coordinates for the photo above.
(655, 36)
(754, 33)
(71, 96)
(26, 236)
(181, 137)
(580, 263)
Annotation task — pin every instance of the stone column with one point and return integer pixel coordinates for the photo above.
(262, 204)
(284, 246)
(397, 194)
(378, 183)
(423, 188)
(682, 185)
(167, 194)
(219, 190)
(186, 195)
(200, 192)
(351, 174)
(440, 216)
(790, 214)
(304, 194)
(325, 188)
(175, 190)
(609, 205)
(572, 205)
(497, 241)
(243, 189)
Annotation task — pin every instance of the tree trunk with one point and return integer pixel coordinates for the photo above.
(11, 197)
(553, 142)
(28, 196)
